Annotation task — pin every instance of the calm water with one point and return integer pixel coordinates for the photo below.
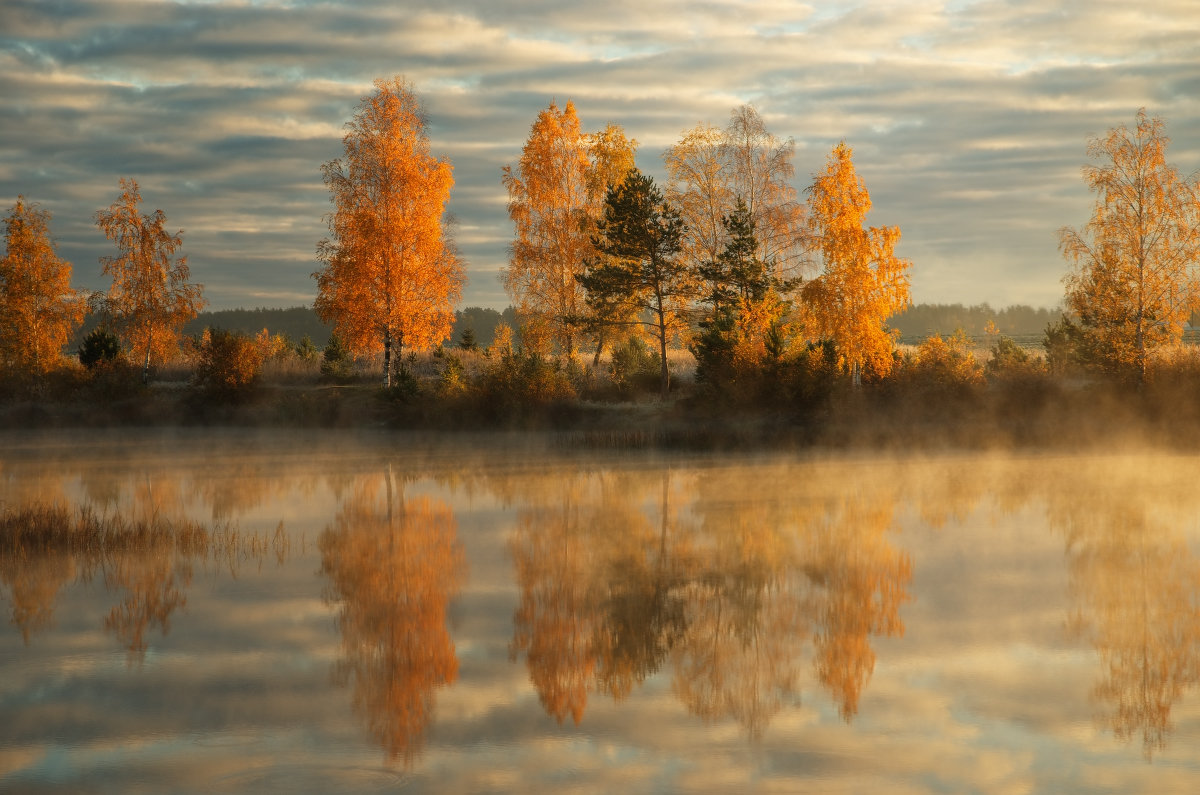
(349, 613)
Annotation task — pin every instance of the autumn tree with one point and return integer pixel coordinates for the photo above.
(638, 242)
(151, 298)
(711, 169)
(391, 272)
(38, 308)
(760, 172)
(611, 156)
(698, 184)
(549, 199)
(862, 281)
(1133, 280)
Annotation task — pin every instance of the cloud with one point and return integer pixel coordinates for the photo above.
(969, 119)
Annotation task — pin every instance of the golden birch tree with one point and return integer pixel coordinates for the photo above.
(391, 272)
(550, 200)
(611, 156)
(38, 308)
(1133, 280)
(760, 170)
(151, 298)
(698, 185)
(862, 282)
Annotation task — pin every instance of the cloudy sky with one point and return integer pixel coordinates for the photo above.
(969, 119)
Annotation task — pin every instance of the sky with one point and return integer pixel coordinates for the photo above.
(969, 121)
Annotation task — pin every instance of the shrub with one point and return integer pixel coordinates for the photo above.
(451, 378)
(306, 350)
(337, 363)
(946, 364)
(807, 378)
(516, 381)
(229, 365)
(634, 367)
(99, 346)
(1009, 360)
(467, 340)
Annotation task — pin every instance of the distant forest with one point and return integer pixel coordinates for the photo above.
(1019, 321)
(915, 324)
(301, 320)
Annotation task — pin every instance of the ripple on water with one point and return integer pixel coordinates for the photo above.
(313, 778)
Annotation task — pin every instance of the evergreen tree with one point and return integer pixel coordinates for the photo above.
(639, 243)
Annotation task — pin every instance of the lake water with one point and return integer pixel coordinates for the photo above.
(341, 612)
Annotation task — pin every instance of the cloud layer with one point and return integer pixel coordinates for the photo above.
(969, 120)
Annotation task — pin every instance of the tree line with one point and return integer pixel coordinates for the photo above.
(724, 258)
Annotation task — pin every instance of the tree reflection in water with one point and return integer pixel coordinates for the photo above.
(729, 592)
(393, 566)
(1137, 591)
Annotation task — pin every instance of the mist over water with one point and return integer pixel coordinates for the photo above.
(214, 611)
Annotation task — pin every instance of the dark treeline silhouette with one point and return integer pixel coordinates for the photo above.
(299, 321)
(914, 324)
(923, 320)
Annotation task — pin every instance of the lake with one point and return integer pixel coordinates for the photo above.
(226, 611)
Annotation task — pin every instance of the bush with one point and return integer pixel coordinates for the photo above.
(337, 363)
(517, 381)
(306, 350)
(1011, 361)
(808, 378)
(99, 346)
(229, 365)
(946, 364)
(634, 367)
(467, 340)
(451, 380)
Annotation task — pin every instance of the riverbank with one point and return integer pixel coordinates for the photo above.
(1040, 413)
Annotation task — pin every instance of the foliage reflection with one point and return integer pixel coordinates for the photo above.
(616, 583)
(393, 565)
(1137, 592)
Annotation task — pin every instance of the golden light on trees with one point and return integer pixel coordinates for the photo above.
(611, 156)
(760, 172)
(637, 264)
(711, 169)
(38, 308)
(862, 281)
(1133, 279)
(550, 197)
(391, 273)
(698, 185)
(151, 298)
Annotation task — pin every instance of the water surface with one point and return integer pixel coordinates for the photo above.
(356, 613)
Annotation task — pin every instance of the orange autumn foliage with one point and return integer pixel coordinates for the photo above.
(150, 299)
(1133, 280)
(550, 202)
(862, 282)
(38, 308)
(391, 273)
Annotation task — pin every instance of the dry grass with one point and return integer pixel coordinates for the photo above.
(38, 530)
